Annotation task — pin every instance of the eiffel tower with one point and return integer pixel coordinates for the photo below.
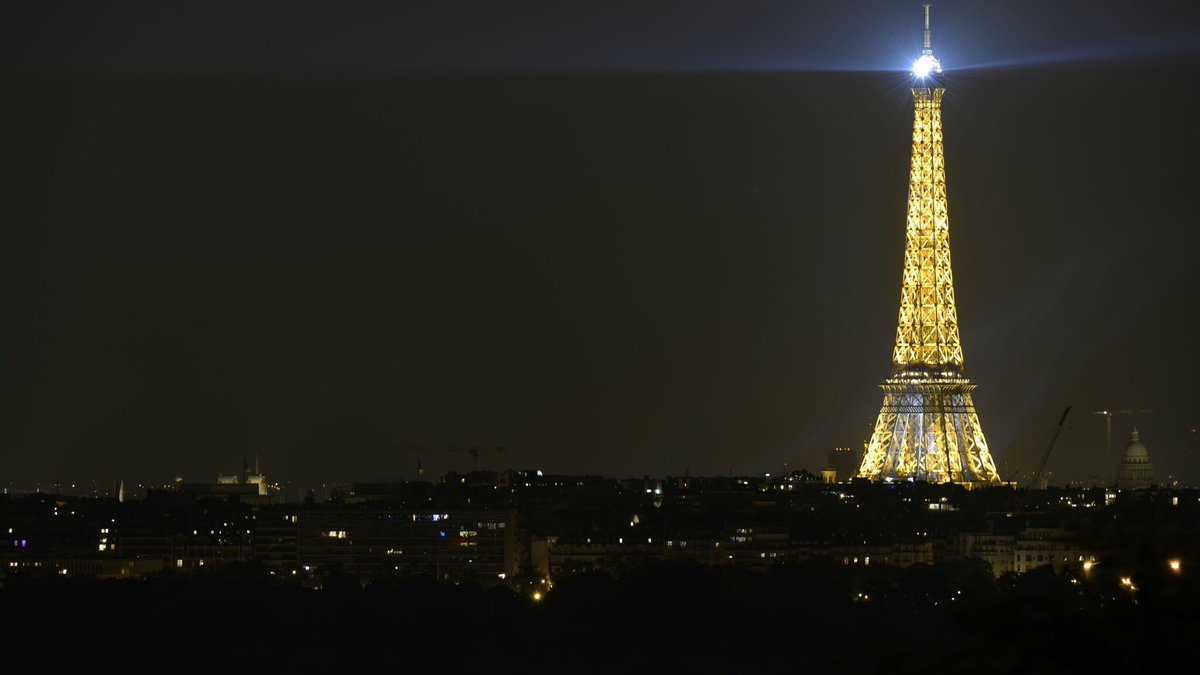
(927, 427)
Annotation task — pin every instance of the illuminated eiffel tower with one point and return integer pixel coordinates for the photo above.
(927, 428)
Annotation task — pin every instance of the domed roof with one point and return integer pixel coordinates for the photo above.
(1135, 451)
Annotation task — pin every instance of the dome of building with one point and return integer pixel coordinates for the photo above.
(1135, 451)
(1135, 470)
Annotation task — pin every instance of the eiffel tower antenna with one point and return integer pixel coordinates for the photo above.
(927, 65)
(928, 43)
(927, 427)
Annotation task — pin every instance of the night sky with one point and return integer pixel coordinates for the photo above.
(620, 238)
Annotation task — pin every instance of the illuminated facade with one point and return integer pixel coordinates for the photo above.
(927, 428)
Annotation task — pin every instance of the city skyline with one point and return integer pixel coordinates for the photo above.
(655, 269)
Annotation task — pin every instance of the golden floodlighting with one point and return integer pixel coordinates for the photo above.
(927, 428)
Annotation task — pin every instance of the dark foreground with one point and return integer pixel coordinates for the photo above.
(816, 617)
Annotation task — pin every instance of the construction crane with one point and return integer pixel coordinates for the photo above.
(1108, 415)
(1038, 479)
(1041, 468)
(473, 451)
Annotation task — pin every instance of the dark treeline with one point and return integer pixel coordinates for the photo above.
(819, 616)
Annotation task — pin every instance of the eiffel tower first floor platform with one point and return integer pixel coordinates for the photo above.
(928, 430)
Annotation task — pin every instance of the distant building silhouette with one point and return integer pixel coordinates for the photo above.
(845, 462)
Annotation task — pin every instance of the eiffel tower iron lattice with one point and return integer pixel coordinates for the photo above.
(927, 428)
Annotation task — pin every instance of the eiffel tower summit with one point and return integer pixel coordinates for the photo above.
(927, 427)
